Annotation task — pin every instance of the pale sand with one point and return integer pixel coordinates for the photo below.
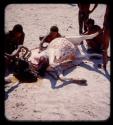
(43, 100)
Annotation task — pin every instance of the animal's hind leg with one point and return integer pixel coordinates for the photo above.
(62, 78)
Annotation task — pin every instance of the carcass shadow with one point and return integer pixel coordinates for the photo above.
(86, 65)
(54, 80)
(96, 64)
(96, 68)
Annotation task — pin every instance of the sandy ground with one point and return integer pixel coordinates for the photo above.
(48, 99)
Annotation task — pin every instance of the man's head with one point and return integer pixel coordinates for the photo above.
(52, 35)
(89, 23)
(54, 29)
(18, 28)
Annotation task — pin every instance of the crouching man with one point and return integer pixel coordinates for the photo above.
(95, 44)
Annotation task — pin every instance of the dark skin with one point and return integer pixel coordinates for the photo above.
(52, 35)
(13, 39)
(94, 44)
(84, 11)
(106, 36)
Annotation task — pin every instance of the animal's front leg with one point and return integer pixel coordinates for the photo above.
(53, 75)
(60, 74)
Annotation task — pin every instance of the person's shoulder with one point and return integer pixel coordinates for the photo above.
(97, 27)
(23, 33)
(8, 35)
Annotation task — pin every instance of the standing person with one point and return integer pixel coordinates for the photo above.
(106, 28)
(14, 38)
(83, 15)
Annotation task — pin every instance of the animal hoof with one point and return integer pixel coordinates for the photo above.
(7, 81)
(83, 82)
(99, 65)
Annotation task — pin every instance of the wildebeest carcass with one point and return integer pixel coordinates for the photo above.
(61, 52)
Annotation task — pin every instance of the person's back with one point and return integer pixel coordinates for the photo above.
(13, 39)
(54, 33)
(9, 46)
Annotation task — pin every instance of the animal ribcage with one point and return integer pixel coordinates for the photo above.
(61, 50)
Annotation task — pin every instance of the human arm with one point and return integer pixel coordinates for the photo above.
(93, 8)
(22, 39)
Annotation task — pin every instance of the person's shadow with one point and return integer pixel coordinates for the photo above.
(10, 90)
(8, 72)
(96, 69)
(96, 64)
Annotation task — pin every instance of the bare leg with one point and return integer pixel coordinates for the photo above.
(80, 20)
(85, 19)
(105, 47)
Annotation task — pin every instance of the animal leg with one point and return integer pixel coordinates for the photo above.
(62, 78)
(89, 56)
(53, 74)
(76, 40)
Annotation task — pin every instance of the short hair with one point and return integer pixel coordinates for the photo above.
(54, 29)
(18, 28)
(90, 21)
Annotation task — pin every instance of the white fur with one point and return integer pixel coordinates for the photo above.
(76, 40)
(62, 50)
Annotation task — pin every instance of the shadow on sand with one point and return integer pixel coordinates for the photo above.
(54, 80)
(94, 68)
(10, 90)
